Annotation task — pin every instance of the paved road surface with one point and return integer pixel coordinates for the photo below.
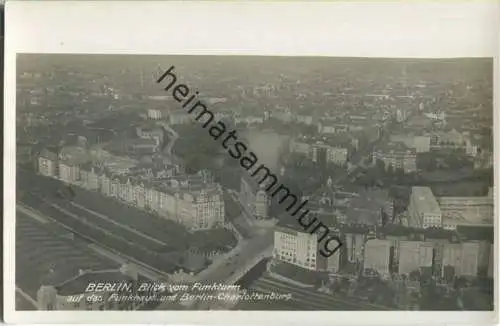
(249, 250)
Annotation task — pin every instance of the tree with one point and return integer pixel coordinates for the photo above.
(461, 282)
(380, 165)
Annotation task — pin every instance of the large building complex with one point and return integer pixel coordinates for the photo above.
(377, 253)
(296, 247)
(397, 155)
(413, 255)
(424, 210)
(193, 201)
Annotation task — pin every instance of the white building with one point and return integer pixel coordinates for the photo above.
(377, 254)
(424, 209)
(195, 206)
(422, 144)
(70, 159)
(154, 114)
(295, 247)
(336, 155)
(69, 171)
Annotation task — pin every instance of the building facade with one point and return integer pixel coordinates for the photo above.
(254, 197)
(154, 114)
(397, 155)
(377, 256)
(413, 255)
(463, 257)
(424, 210)
(295, 247)
(48, 163)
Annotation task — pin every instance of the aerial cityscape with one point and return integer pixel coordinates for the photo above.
(126, 200)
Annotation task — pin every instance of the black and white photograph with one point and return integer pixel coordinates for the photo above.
(196, 182)
(128, 171)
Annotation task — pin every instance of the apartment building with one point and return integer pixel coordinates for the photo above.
(194, 204)
(377, 256)
(322, 152)
(329, 264)
(193, 201)
(295, 247)
(397, 155)
(48, 163)
(254, 196)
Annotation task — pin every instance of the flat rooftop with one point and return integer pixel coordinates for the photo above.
(425, 200)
